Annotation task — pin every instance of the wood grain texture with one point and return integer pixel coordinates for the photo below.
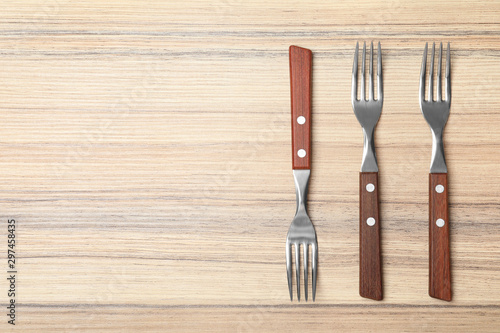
(370, 265)
(439, 238)
(300, 92)
(145, 153)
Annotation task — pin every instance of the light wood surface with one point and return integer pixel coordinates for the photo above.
(146, 157)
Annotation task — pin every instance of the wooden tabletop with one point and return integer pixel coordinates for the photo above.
(146, 160)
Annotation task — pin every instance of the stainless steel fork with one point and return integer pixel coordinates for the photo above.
(301, 232)
(436, 114)
(368, 113)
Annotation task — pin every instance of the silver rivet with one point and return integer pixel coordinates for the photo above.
(301, 153)
(439, 188)
(440, 223)
(370, 187)
(370, 221)
(301, 120)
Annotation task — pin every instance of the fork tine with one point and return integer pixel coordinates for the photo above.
(289, 268)
(297, 268)
(306, 266)
(370, 92)
(354, 91)
(380, 90)
(422, 76)
(431, 76)
(314, 252)
(438, 97)
(448, 80)
(363, 73)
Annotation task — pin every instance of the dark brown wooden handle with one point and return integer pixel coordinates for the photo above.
(439, 238)
(300, 87)
(370, 268)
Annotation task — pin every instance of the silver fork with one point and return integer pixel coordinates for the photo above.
(436, 114)
(368, 113)
(301, 232)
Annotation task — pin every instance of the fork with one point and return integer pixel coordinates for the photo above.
(301, 231)
(436, 114)
(368, 113)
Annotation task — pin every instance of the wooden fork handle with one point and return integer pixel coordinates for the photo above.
(300, 87)
(439, 238)
(370, 268)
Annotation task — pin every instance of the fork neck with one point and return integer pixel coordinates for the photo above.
(369, 163)
(438, 162)
(301, 177)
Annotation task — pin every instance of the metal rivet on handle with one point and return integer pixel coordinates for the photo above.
(370, 221)
(301, 153)
(440, 223)
(439, 188)
(370, 187)
(301, 120)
